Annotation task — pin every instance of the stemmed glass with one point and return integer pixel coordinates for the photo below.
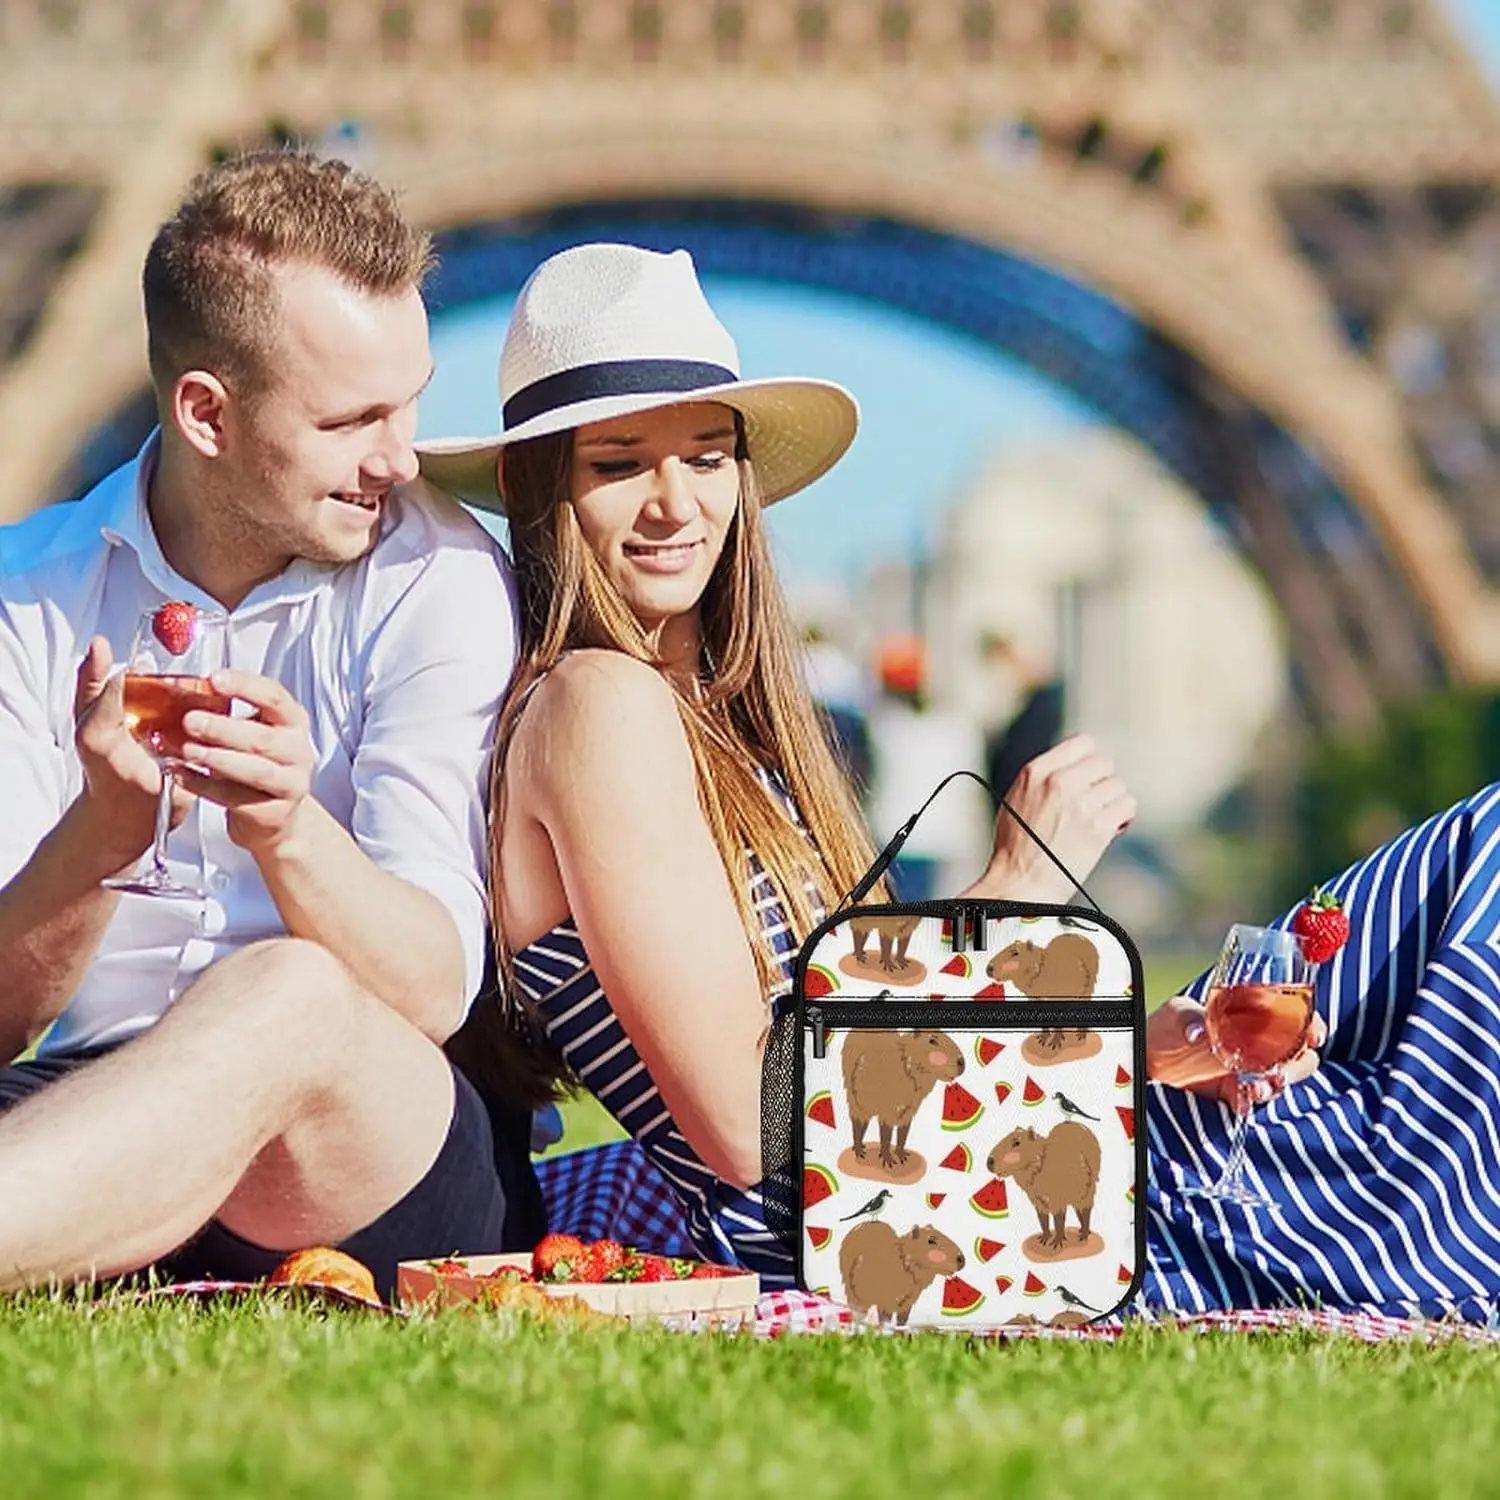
(1260, 1005)
(166, 677)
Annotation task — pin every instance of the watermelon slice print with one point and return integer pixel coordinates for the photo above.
(958, 965)
(991, 1200)
(820, 1108)
(986, 1050)
(818, 1183)
(1035, 1286)
(935, 1200)
(990, 992)
(960, 1299)
(818, 1235)
(1124, 1276)
(987, 1250)
(1002, 1091)
(1127, 1119)
(959, 1159)
(960, 1108)
(1130, 1193)
(819, 982)
(1122, 1078)
(1033, 1093)
(1004, 1283)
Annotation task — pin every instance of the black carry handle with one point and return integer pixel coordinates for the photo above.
(892, 849)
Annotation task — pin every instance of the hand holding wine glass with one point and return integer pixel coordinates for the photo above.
(121, 779)
(174, 650)
(1259, 1015)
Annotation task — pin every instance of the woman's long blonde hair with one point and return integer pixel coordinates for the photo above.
(753, 711)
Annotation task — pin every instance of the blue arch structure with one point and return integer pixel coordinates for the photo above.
(1264, 486)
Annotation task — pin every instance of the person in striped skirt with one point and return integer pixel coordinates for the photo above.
(667, 816)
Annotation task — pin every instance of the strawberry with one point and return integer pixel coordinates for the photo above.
(1322, 925)
(654, 1268)
(607, 1256)
(174, 625)
(558, 1257)
(448, 1267)
(680, 1267)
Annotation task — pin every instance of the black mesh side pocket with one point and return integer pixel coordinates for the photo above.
(781, 1183)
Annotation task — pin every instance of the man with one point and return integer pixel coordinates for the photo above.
(265, 1062)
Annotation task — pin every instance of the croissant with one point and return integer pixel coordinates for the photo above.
(323, 1266)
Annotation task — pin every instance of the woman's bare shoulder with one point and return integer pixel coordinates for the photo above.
(598, 707)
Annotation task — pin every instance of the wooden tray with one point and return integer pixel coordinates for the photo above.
(713, 1302)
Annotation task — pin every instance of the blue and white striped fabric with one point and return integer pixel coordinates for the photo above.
(619, 1191)
(1384, 1167)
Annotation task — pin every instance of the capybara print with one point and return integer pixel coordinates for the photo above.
(892, 964)
(1056, 1171)
(889, 1271)
(887, 1076)
(1067, 968)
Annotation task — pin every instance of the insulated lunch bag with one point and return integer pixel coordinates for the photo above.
(950, 1101)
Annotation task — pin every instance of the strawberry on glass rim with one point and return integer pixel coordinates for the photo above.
(1322, 924)
(175, 624)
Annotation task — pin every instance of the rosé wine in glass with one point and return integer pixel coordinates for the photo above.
(1257, 1027)
(155, 707)
(175, 649)
(1259, 1009)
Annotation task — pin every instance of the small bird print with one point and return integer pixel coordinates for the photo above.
(872, 1207)
(1069, 1108)
(1065, 921)
(1074, 1300)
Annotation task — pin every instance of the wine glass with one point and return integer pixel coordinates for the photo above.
(166, 677)
(1260, 1005)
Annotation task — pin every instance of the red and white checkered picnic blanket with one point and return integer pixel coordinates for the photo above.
(780, 1313)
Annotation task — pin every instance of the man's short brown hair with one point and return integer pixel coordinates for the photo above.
(211, 300)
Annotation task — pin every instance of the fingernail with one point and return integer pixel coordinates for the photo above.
(1192, 1033)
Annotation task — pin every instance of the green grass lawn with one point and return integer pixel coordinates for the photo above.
(172, 1402)
(108, 1400)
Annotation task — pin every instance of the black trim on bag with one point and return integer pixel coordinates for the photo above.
(982, 1015)
(977, 1015)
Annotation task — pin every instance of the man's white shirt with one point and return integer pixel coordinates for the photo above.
(400, 659)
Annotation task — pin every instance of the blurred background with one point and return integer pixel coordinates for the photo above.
(1175, 323)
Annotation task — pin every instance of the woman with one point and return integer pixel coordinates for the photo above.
(658, 730)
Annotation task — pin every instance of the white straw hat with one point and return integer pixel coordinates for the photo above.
(601, 331)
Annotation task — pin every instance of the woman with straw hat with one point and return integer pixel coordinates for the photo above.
(667, 817)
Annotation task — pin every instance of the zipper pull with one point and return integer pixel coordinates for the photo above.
(819, 1031)
(979, 924)
(960, 927)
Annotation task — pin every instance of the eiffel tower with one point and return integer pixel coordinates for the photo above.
(1261, 233)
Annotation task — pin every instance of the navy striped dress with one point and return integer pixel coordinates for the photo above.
(1384, 1166)
(651, 1191)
